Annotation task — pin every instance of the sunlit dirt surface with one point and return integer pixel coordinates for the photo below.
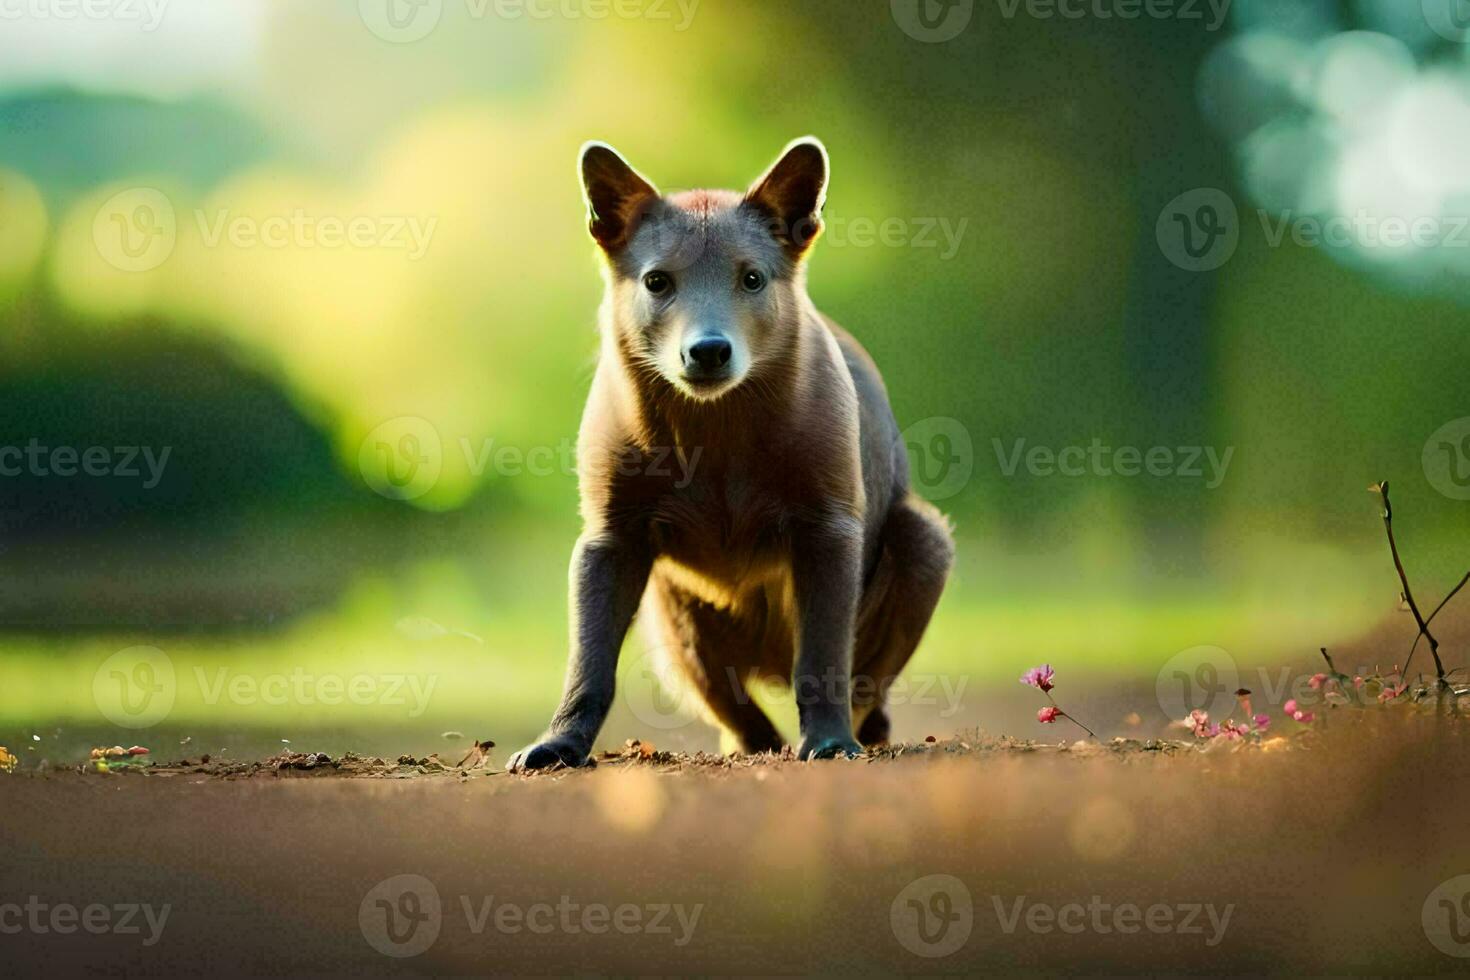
(1329, 851)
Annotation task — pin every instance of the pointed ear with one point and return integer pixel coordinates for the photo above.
(791, 194)
(616, 195)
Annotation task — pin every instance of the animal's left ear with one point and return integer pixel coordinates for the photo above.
(792, 192)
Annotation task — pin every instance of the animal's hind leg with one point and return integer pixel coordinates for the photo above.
(712, 650)
(898, 601)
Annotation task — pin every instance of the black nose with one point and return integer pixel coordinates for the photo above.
(708, 354)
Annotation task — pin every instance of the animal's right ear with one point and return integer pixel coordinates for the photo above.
(616, 194)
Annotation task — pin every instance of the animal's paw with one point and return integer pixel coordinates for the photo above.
(552, 753)
(828, 747)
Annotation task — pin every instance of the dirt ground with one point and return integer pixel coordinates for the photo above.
(1323, 853)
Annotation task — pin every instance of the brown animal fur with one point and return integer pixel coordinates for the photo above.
(787, 545)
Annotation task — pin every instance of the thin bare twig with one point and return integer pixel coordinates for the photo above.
(1330, 665)
(1453, 592)
(1382, 490)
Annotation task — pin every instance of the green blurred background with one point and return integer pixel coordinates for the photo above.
(174, 179)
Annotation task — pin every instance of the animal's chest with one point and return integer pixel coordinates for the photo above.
(722, 535)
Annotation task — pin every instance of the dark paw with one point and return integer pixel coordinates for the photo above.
(554, 753)
(829, 747)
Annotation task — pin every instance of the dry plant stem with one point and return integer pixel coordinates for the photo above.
(1074, 721)
(1404, 580)
(1453, 592)
(1332, 666)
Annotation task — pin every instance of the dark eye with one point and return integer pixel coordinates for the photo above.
(658, 283)
(753, 281)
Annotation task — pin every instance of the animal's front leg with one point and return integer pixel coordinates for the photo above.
(826, 566)
(607, 582)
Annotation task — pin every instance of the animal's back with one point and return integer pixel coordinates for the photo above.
(885, 459)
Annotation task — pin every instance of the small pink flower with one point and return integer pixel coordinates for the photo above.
(1358, 682)
(1048, 714)
(1317, 681)
(1231, 730)
(1297, 713)
(1263, 722)
(1039, 677)
(1200, 722)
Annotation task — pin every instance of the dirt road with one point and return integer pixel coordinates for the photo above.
(1331, 853)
